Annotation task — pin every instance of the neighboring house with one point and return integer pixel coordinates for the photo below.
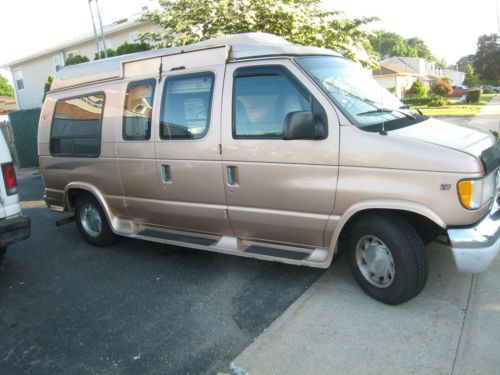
(399, 73)
(30, 73)
(456, 76)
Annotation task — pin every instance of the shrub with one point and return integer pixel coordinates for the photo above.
(438, 102)
(487, 90)
(417, 89)
(76, 59)
(473, 96)
(126, 48)
(417, 101)
(441, 87)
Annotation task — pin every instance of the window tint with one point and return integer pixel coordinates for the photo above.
(76, 126)
(261, 104)
(138, 110)
(186, 104)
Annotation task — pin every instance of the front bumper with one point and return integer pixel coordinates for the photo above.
(14, 229)
(474, 248)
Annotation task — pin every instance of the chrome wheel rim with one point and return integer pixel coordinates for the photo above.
(375, 261)
(91, 220)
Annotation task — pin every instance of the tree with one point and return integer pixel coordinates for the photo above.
(389, 44)
(47, 85)
(487, 59)
(420, 48)
(417, 89)
(5, 88)
(441, 87)
(471, 78)
(463, 61)
(304, 22)
(76, 59)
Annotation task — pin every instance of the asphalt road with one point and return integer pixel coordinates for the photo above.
(135, 307)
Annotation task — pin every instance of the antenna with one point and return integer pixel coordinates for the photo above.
(102, 31)
(382, 130)
(95, 31)
(498, 22)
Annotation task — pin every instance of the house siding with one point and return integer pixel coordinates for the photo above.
(36, 70)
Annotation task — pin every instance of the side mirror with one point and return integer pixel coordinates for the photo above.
(302, 125)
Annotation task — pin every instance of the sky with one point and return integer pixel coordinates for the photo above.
(450, 28)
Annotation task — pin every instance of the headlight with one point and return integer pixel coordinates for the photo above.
(475, 193)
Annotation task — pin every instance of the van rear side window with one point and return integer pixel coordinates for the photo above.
(138, 110)
(76, 126)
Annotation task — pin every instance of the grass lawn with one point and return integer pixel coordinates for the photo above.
(456, 109)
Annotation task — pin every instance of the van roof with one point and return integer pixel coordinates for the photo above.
(236, 46)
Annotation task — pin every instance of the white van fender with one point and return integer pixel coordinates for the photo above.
(381, 204)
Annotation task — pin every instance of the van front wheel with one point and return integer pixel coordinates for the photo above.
(92, 222)
(387, 257)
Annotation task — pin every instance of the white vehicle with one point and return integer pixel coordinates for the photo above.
(14, 226)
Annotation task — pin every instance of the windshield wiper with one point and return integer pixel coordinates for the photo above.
(386, 110)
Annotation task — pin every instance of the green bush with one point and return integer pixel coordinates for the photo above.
(76, 59)
(473, 96)
(438, 102)
(487, 90)
(126, 48)
(417, 90)
(417, 101)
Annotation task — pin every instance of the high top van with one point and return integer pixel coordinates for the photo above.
(252, 146)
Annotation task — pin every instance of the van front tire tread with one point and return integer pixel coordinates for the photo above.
(407, 249)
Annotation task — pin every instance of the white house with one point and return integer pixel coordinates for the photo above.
(399, 73)
(30, 73)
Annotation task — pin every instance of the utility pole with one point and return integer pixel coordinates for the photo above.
(95, 30)
(102, 31)
(498, 23)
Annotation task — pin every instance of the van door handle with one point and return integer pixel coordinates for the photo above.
(166, 174)
(232, 176)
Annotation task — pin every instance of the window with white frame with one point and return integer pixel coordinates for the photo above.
(133, 38)
(108, 44)
(19, 79)
(57, 62)
(72, 53)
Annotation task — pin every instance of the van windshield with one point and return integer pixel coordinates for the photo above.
(357, 94)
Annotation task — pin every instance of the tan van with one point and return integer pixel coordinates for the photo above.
(252, 146)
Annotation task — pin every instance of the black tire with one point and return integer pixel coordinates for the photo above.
(378, 233)
(3, 250)
(103, 235)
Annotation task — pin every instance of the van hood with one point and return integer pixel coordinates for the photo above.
(470, 140)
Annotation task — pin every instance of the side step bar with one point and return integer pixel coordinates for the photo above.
(232, 245)
(178, 237)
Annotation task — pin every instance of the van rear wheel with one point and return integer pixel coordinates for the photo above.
(92, 222)
(387, 258)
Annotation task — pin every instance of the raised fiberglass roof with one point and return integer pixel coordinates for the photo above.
(239, 47)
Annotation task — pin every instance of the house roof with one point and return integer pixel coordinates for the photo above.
(237, 46)
(399, 65)
(383, 71)
(116, 26)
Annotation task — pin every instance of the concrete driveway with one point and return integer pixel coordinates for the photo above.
(452, 327)
(133, 308)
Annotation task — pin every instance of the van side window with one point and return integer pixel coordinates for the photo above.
(186, 106)
(261, 102)
(76, 126)
(138, 110)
